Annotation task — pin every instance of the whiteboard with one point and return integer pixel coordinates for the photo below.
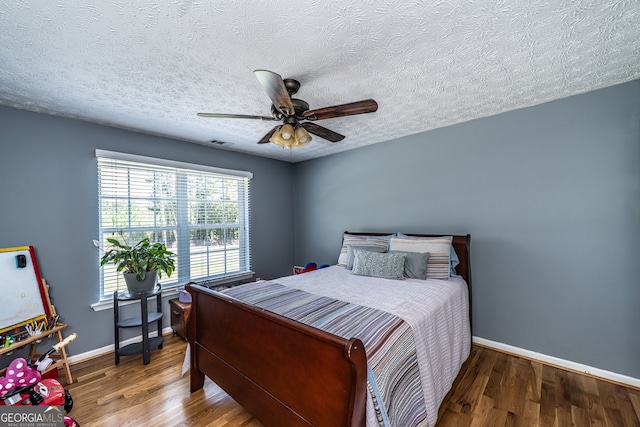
(21, 289)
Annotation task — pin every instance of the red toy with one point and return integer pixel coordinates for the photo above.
(23, 384)
(310, 266)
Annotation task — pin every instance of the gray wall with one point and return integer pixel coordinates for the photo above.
(550, 196)
(48, 192)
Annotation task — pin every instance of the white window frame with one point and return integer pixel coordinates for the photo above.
(183, 229)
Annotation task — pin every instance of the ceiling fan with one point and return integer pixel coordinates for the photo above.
(295, 114)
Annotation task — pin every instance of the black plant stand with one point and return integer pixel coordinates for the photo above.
(143, 321)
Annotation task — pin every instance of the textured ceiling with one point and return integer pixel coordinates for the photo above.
(151, 65)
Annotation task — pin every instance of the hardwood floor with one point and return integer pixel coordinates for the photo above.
(493, 389)
(496, 389)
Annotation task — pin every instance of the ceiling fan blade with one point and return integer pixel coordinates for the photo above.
(265, 139)
(234, 116)
(350, 109)
(322, 132)
(277, 91)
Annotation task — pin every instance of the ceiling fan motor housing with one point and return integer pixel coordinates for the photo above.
(299, 107)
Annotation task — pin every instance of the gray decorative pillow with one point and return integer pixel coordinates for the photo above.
(373, 264)
(415, 264)
(350, 249)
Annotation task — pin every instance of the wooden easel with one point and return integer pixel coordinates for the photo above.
(60, 358)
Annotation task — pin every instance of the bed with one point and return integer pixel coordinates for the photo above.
(290, 372)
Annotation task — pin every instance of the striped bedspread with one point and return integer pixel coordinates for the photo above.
(436, 310)
(388, 340)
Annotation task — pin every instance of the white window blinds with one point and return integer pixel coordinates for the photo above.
(201, 213)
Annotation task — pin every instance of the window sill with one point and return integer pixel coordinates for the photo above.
(107, 304)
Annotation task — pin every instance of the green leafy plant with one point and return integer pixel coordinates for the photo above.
(140, 258)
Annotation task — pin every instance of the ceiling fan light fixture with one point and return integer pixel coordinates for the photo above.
(277, 138)
(298, 144)
(286, 131)
(302, 136)
(298, 137)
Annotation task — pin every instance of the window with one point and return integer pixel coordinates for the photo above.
(201, 213)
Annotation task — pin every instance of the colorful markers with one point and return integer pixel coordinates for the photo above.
(34, 328)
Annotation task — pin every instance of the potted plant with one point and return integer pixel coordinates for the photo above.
(141, 264)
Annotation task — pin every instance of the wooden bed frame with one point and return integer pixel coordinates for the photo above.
(284, 372)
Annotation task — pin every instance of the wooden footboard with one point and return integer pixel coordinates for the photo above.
(285, 373)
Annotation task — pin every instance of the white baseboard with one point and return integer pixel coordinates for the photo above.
(562, 363)
(110, 348)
